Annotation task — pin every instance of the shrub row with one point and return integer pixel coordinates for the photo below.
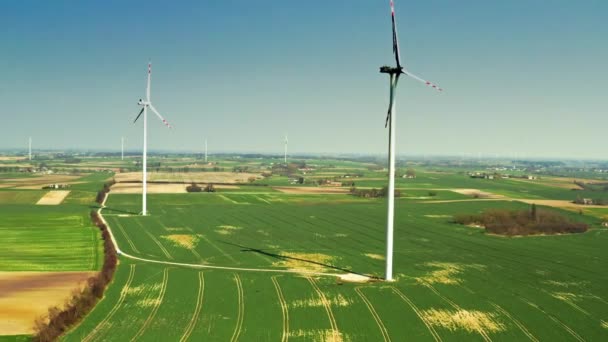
(522, 222)
(81, 302)
(101, 194)
(373, 193)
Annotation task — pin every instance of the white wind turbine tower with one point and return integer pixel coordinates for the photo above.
(205, 150)
(147, 104)
(30, 148)
(286, 141)
(394, 73)
(122, 148)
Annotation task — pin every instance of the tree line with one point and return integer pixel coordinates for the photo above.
(522, 222)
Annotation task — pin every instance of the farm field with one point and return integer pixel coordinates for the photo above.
(263, 267)
(47, 248)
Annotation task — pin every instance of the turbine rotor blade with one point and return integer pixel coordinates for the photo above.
(160, 116)
(395, 37)
(148, 84)
(430, 84)
(138, 115)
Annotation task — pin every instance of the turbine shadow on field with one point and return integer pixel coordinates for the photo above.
(116, 210)
(285, 257)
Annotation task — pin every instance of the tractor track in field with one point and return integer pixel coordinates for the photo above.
(121, 299)
(518, 323)
(122, 230)
(157, 304)
(197, 309)
(371, 309)
(284, 309)
(417, 312)
(199, 266)
(556, 320)
(241, 312)
(160, 245)
(481, 332)
(327, 305)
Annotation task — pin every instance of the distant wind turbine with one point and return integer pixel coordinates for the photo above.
(286, 141)
(394, 73)
(30, 148)
(122, 148)
(205, 150)
(147, 104)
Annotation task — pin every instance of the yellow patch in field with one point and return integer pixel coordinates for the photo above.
(445, 273)
(470, 321)
(304, 261)
(229, 227)
(565, 296)
(226, 229)
(341, 235)
(148, 302)
(339, 300)
(175, 229)
(327, 335)
(374, 256)
(182, 240)
(141, 289)
(564, 283)
(605, 324)
(438, 216)
(260, 231)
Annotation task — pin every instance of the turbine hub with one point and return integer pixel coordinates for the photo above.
(391, 70)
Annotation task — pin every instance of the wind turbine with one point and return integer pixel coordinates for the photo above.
(286, 141)
(205, 150)
(147, 104)
(122, 148)
(30, 148)
(394, 73)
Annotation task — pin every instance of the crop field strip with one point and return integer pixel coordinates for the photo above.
(47, 239)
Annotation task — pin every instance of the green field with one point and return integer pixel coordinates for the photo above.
(453, 282)
(50, 238)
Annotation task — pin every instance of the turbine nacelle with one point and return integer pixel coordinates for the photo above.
(391, 70)
(143, 103)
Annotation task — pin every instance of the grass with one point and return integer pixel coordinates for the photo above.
(453, 282)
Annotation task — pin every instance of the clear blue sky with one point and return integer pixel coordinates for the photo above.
(523, 77)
